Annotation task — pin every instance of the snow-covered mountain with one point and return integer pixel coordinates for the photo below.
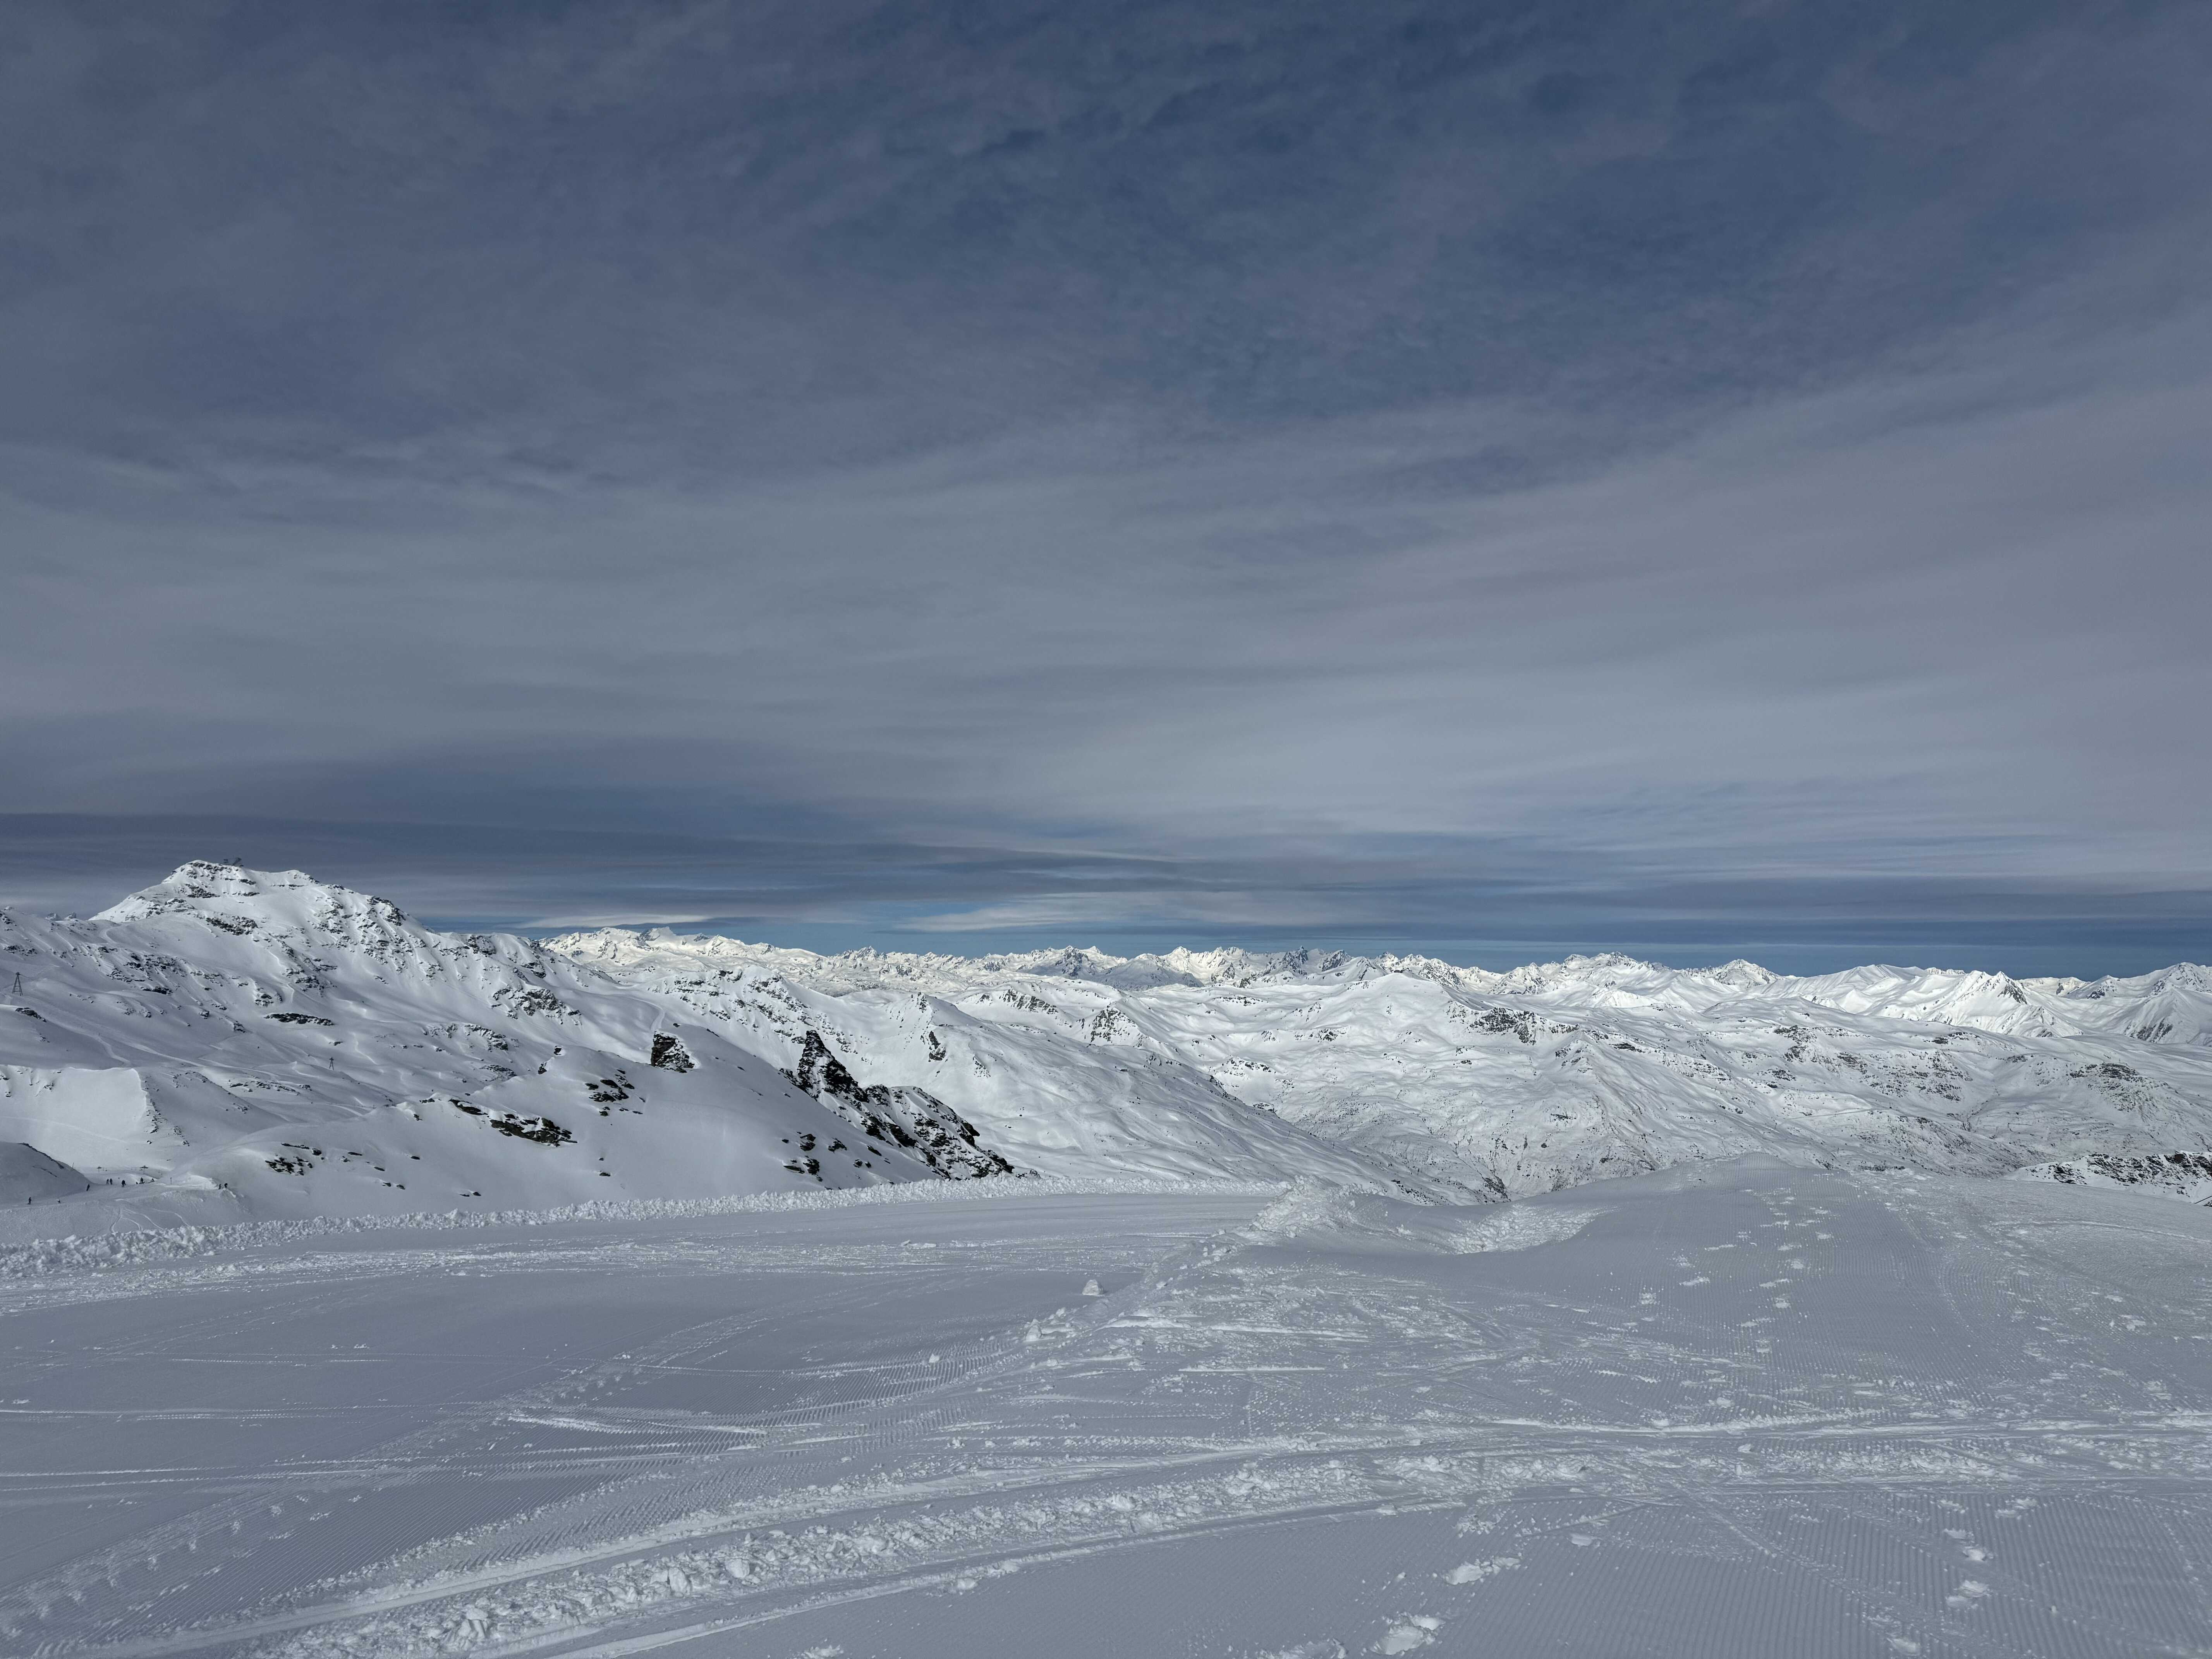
(306, 1049)
(236, 1041)
(1463, 1081)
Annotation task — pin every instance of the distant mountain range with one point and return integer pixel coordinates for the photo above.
(233, 1043)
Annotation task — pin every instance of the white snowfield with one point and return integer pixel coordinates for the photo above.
(1731, 1414)
(368, 1290)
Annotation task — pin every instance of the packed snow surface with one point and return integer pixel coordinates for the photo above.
(1743, 1411)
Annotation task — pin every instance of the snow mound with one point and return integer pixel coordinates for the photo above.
(1338, 1219)
(28, 1175)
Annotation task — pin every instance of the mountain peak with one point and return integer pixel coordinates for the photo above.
(238, 899)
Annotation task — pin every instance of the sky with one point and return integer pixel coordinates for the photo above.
(1485, 480)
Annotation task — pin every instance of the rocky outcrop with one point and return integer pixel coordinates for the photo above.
(914, 1119)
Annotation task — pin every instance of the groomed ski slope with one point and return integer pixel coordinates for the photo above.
(1751, 1411)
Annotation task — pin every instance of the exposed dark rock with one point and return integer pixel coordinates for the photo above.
(2109, 1071)
(529, 999)
(908, 1117)
(542, 1130)
(1501, 1020)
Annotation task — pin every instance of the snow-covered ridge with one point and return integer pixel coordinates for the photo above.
(1467, 1082)
(2173, 1005)
(258, 1042)
(234, 1044)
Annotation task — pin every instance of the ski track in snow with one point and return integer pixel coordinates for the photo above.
(1755, 1412)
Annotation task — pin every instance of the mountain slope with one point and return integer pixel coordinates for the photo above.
(291, 1048)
